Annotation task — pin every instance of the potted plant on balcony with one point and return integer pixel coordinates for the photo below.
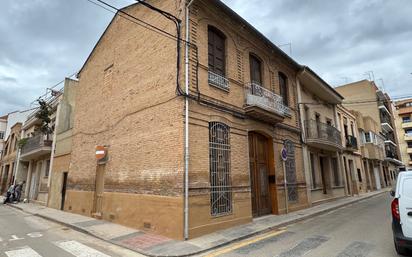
(44, 113)
(22, 142)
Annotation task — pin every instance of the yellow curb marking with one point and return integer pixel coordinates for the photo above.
(244, 243)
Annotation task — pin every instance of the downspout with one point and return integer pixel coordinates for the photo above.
(304, 146)
(53, 147)
(186, 176)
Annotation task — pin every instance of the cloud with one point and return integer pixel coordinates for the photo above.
(45, 40)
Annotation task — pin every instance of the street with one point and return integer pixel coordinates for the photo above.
(24, 235)
(358, 230)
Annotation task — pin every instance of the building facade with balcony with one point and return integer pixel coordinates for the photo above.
(322, 139)
(36, 154)
(3, 126)
(364, 96)
(372, 150)
(403, 120)
(242, 111)
(355, 177)
(8, 159)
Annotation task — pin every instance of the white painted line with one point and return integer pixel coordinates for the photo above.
(79, 250)
(14, 238)
(23, 252)
(35, 234)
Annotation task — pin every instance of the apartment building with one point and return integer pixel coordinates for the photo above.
(36, 153)
(63, 145)
(8, 160)
(352, 158)
(226, 132)
(322, 139)
(364, 96)
(11, 137)
(3, 126)
(404, 128)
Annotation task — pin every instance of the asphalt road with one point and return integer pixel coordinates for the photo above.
(358, 230)
(24, 235)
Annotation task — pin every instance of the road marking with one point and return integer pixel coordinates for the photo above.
(358, 249)
(79, 250)
(14, 238)
(305, 246)
(35, 234)
(23, 252)
(244, 243)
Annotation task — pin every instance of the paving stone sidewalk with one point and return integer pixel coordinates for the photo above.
(155, 245)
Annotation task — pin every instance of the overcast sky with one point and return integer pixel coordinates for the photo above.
(42, 41)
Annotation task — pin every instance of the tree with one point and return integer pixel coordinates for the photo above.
(44, 113)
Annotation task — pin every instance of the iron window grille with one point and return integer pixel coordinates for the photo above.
(290, 166)
(219, 160)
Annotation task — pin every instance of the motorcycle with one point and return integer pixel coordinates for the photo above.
(10, 195)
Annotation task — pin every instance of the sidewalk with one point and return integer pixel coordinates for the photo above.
(155, 245)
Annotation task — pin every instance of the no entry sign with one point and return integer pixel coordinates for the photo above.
(101, 152)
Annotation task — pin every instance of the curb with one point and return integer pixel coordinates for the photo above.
(265, 230)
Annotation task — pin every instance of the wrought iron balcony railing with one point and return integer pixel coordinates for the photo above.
(218, 81)
(36, 142)
(351, 142)
(256, 95)
(322, 131)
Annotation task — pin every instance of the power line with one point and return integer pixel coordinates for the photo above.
(136, 20)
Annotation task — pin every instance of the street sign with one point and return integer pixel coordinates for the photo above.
(284, 154)
(101, 152)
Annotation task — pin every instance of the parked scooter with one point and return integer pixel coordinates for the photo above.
(10, 195)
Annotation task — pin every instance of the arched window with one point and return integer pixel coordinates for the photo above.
(216, 51)
(283, 85)
(255, 69)
(219, 160)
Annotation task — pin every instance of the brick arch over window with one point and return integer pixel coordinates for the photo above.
(283, 85)
(216, 51)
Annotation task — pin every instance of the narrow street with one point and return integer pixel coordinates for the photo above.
(358, 230)
(23, 235)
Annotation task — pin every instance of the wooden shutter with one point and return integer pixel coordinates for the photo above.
(284, 88)
(216, 45)
(255, 70)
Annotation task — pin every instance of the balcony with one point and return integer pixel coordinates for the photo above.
(406, 125)
(408, 137)
(351, 143)
(374, 152)
(36, 146)
(409, 150)
(386, 123)
(218, 81)
(321, 135)
(264, 105)
(383, 108)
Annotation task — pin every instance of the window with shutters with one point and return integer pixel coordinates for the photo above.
(216, 58)
(255, 69)
(283, 85)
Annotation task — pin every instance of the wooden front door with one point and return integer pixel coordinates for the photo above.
(259, 174)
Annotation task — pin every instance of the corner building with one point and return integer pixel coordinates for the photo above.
(243, 110)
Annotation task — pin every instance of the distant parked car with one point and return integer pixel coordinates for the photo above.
(401, 208)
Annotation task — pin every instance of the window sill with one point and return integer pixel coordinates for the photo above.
(218, 87)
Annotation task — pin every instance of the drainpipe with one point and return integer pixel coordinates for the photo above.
(304, 146)
(186, 176)
(53, 148)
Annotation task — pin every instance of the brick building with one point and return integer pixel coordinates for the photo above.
(364, 96)
(8, 160)
(403, 120)
(243, 110)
